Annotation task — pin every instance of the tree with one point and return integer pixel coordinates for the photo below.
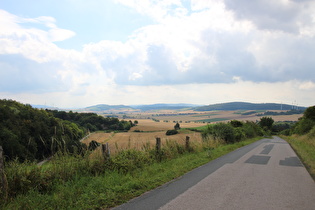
(236, 123)
(310, 113)
(177, 126)
(307, 122)
(266, 122)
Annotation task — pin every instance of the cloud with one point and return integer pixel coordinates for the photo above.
(208, 44)
(291, 16)
(21, 74)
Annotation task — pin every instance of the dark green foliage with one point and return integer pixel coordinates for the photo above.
(93, 145)
(303, 126)
(306, 123)
(27, 133)
(266, 123)
(251, 129)
(310, 113)
(290, 112)
(230, 133)
(92, 121)
(236, 123)
(177, 126)
(30, 134)
(171, 132)
(222, 131)
(281, 126)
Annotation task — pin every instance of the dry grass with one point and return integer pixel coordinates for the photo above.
(138, 141)
(150, 125)
(150, 129)
(228, 115)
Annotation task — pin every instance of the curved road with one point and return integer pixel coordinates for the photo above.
(264, 175)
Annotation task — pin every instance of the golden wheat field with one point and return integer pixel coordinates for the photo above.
(152, 129)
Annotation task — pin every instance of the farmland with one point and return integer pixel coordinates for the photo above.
(155, 124)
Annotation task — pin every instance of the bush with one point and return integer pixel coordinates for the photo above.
(251, 130)
(304, 126)
(236, 123)
(266, 123)
(171, 132)
(230, 133)
(221, 131)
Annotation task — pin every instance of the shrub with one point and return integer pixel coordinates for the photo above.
(236, 123)
(251, 129)
(221, 131)
(171, 132)
(266, 123)
(304, 126)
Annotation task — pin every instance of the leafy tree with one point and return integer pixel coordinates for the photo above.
(171, 132)
(306, 123)
(266, 122)
(236, 123)
(310, 113)
(177, 126)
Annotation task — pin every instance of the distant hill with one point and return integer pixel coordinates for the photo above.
(105, 107)
(247, 106)
(164, 106)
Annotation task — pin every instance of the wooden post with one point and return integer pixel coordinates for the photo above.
(3, 180)
(158, 149)
(106, 151)
(187, 145)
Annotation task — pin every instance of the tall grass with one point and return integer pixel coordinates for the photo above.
(304, 146)
(89, 181)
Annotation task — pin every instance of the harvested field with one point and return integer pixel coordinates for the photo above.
(149, 129)
(119, 141)
(150, 125)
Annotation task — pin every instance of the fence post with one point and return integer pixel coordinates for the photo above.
(187, 145)
(158, 149)
(106, 151)
(3, 180)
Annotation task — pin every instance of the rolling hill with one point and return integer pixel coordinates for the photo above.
(247, 106)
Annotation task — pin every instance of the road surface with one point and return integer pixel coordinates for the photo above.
(264, 175)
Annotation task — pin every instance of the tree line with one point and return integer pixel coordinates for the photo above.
(28, 133)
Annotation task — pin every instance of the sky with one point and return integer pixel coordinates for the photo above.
(77, 53)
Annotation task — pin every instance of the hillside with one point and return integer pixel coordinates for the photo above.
(105, 107)
(246, 106)
(164, 106)
(29, 133)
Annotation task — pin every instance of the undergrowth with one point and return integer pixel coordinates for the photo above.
(91, 182)
(304, 146)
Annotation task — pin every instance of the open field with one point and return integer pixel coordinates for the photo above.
(155, 124)
(119, 141)
(202, 117)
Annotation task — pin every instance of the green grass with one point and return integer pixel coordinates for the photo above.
(304, 146)
(114, 186)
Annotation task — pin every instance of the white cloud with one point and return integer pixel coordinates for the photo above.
(209, 46)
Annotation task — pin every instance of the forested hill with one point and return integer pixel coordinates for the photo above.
(247, 106)
(33, 134)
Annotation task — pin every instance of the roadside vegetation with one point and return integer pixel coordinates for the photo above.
(88, 179)
(301, 136)
(35, 134)
(91, 182)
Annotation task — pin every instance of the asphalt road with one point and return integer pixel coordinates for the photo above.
(264, 175)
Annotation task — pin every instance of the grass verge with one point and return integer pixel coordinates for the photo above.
(304, 146)
(114, 187)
